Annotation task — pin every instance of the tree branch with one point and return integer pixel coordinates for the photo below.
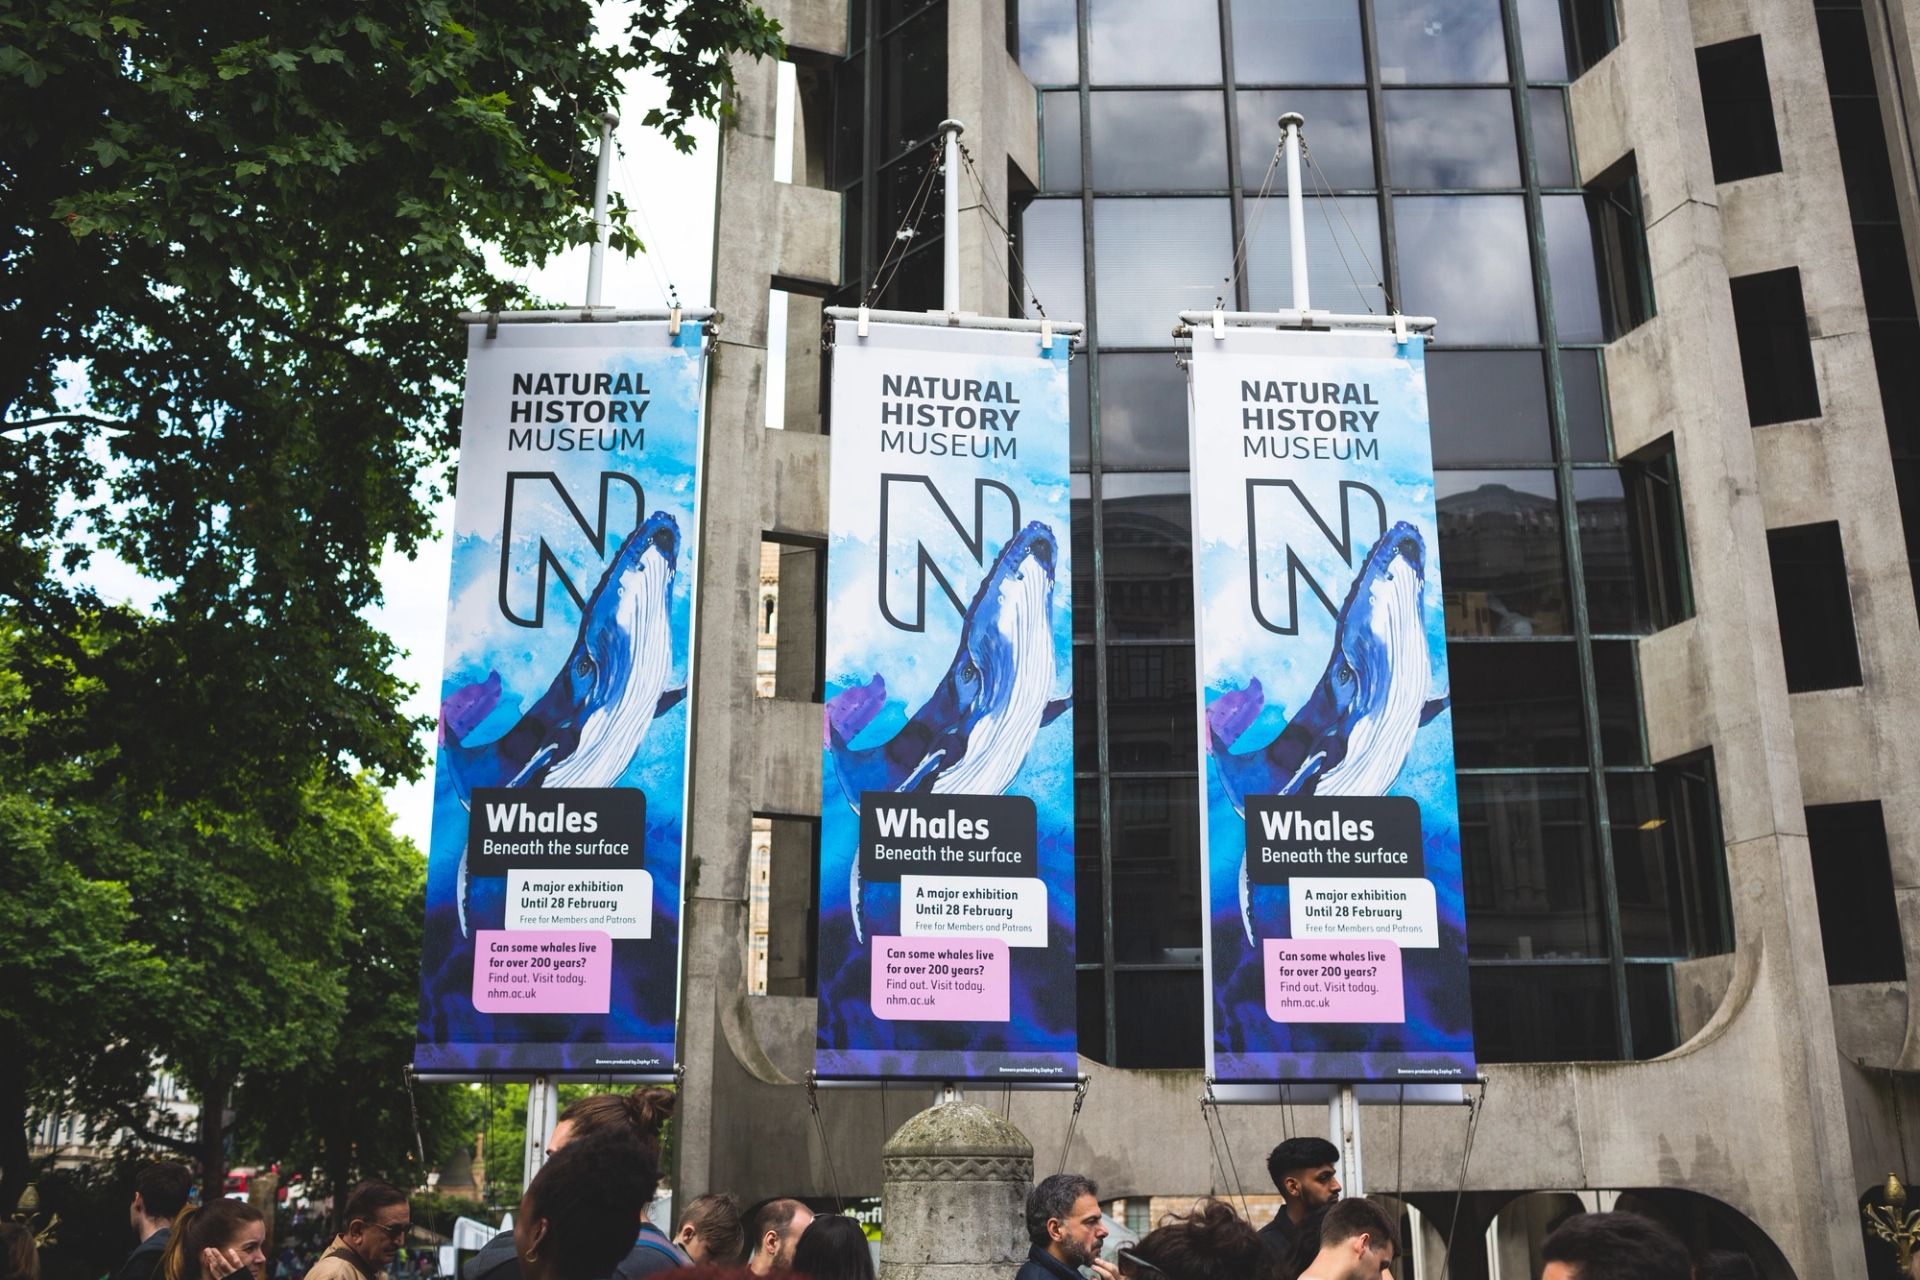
(50, 419)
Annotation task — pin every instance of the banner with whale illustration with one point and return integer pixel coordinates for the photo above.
(946, 908)
(1335, 917)
(553, 882)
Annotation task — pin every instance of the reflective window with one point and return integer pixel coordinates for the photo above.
(1158, 256)
(1149, 556)
(1464, 260)
(1168, 140)
(1670, 883)
(1049, 40)
(1576, 289)
(1541, 43)
(1552, 150)
(1060, 141)
(1156, 869)
(1441, 42)
(1143, 410)
(1343, 256)
(1338, 133)
(1516, 705)
(1053, 253)
(913, 86)
(1084, 596)
(1618, 687)
(1086, 710)
(1151, 709)
(1153, 42)
(1586, 409)
(1616, 586)
(1079, 416)
(1488, 406)
(1088, 887)
(1297, 42)
(1527, 858)
(1451, 138)
(1500, 554)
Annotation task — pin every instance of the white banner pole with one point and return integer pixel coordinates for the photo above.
(1290, 125)
(597, 255)
(950, 131)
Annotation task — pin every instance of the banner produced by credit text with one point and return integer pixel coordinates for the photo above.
(946, 832)
(1336, 924)
(553, 884)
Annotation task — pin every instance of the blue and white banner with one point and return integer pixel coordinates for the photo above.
(946, 835)
(1336, 923)
(553, 882)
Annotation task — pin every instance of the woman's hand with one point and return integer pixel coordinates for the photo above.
(221, 1263)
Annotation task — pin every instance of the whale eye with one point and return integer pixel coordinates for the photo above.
(584, 668)
(663, 540)
(1344, 674)
(969, 672)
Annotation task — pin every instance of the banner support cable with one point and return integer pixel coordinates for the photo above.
(820, 1127)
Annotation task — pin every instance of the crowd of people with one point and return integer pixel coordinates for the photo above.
(584, 1216)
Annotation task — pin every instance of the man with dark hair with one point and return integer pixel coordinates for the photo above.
(1302, 1171)
(1065, 1231)
(1614, 1246)
(159, 1193)
(1356, 1243)
(374, 1223)
(777, 1227)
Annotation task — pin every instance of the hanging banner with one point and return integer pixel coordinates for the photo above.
(946, 833)
(553, 883)
(1336, 923)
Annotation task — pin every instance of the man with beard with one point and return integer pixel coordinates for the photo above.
(777, 1228)
(1063, 1222)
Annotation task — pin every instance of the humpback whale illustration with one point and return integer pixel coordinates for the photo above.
(1352, 735)
(973, 734)
(584, 730)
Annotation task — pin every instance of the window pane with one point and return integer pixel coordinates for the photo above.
(1157, 257)
(1464, 260)
(1297, 42)
(1500, 555)
(1544, 1014)
(1576, 289)
(1088, 933)
(1171, 140)
(1049, 41)
(913, 82)
(1648, 872)
(1083, 597)
(1690, 801)
(1343, 255)
(1531, 880)
(1086, 710)
(1620, 247)
(1157, 1019)
(1143, 410)
(1079, 418)
(1092, 1018)
(1338, 134)
(1060, 141)
(1660, 537)
(1586, 411)
(1153, 42)
(1650, 1009)
(1553, 153)
(1149, 556)
(1541, 41)
(1150, 709)
(1616, 587)
(1053, 253)
(1516, 705)
(1441, 42)
(1618, 687)
(1156, 871)
(1488, 406)
(849, 111)
(1451, 138)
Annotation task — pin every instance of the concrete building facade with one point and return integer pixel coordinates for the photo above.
(1670, 245)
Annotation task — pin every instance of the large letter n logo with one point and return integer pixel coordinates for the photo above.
(596, 536)
(1279, 516)
(920, 522)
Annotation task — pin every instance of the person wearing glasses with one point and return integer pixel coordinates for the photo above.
(374, 1223)
(220, 1240)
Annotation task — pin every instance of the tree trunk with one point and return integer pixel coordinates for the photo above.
(212, 1136)
(14, 1152)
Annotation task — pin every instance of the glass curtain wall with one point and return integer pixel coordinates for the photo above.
(1440, 150)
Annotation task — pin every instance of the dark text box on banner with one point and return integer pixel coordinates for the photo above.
(554, 877)
(1336, 932)
(946, 910)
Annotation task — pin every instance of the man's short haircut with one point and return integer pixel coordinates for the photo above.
(1296, 1154)
(1725, 1264)
(1054, 1198)
(591, 1194)
(164, 1187)
(771, 1215)
(1617, 1246)
(715, 1219)
(366, 1201)
(1357, 1216)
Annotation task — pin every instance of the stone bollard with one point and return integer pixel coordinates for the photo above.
(954, 1196)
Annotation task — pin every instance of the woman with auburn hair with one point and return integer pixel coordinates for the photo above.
(222, 1240)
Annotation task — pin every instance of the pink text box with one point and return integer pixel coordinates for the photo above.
(940, 979)
(1334, 980)
(542, 970)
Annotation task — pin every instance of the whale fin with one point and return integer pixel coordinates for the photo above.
(1434, 708)
(668, 701)
(462, 710)
(1054, 710)
(1246, 902)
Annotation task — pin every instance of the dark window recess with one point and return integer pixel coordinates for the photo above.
(1620, 249)
(1157, 1018)
(1515, 705)
(1853, 880)
(1089, 895)
(1524, 1013)
(1093, 1014)
(1650, 1009)
(1669, 862)
(1651, 479)
(1739, 109)
(1816, 610)
(1776, 356)
(1592, 31)
(1150, 709)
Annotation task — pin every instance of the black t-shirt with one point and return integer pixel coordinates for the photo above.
(144, 1262)
(1280, 1234)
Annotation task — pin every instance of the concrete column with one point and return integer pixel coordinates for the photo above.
(954, 1196)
